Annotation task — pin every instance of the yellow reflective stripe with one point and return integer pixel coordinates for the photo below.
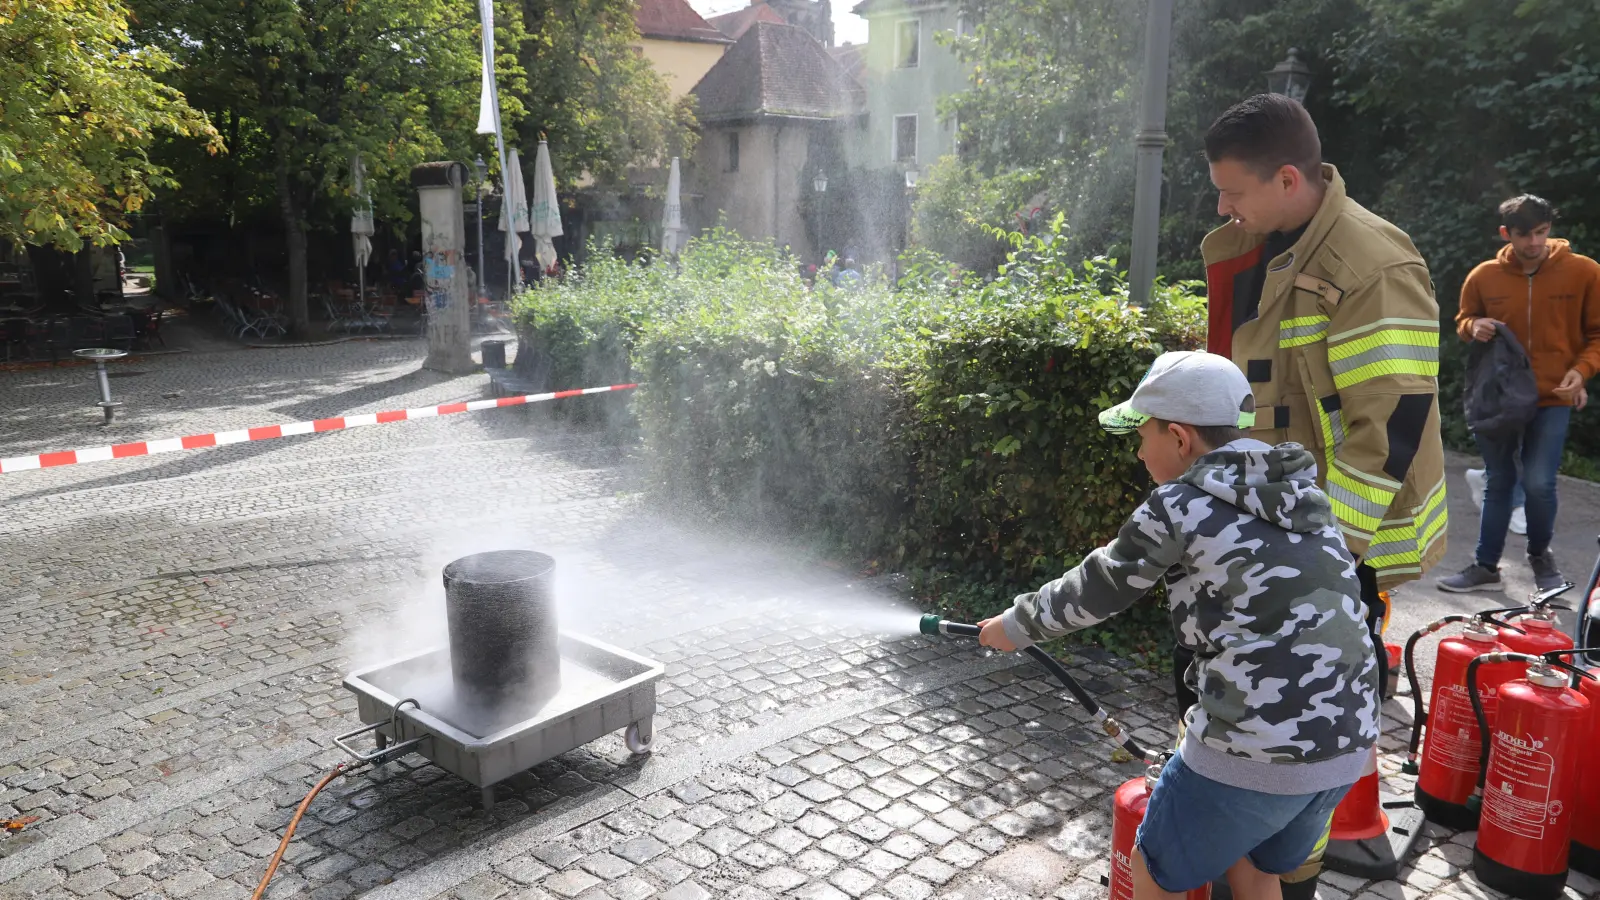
(1386, 338)
(1392, 486)
(1415, 323)
(1354, 532)
(1381, 497)
(1396, 543)
(1301, 331)
(1423, 368)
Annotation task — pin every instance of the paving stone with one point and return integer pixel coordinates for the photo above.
(853, 882)
(570, 883)
(606, 866)
(687, 891)
(90, 880)
(483, 887)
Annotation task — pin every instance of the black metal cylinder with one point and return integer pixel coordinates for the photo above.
(494, 354)
(503, 632)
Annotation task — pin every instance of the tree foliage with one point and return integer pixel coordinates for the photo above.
(1433, 110)
(303, 85)
(601, 105)
(79, 109)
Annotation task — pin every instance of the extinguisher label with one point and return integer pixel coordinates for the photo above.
(1121, 875)
(1516, 792)
(1453, 729)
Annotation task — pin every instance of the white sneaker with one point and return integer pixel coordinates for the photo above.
(1519, 521)
(1476, 481)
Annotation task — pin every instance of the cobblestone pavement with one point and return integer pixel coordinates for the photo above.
(174, 631)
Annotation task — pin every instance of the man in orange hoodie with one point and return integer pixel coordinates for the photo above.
(1549, 297)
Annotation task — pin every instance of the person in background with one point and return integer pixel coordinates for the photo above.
(1549, 297)
(849, 276)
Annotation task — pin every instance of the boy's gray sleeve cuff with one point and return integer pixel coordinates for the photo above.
(1014, 630)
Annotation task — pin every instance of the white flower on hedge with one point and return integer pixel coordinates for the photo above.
(771, 367)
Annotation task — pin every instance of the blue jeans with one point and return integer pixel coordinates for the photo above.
(1539, 449)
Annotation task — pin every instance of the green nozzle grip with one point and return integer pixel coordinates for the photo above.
(929, 624)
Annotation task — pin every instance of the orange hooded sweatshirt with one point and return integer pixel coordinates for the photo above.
(1555, 312)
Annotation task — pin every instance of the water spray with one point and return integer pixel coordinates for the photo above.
(934, 626)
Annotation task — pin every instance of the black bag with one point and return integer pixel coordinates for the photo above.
(1501, 395)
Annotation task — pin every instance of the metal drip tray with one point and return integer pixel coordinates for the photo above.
(413, 700)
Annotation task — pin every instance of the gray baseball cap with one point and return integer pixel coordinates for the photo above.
(1189, 387)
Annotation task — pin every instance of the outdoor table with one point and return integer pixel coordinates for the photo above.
(100, 355)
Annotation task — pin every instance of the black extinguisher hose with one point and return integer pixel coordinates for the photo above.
(1421, 715)
(1553, 658)
(933, 625)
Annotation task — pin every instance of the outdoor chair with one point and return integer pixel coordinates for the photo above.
(119, 332)
(152, 326)
(336, 321)
(58, 339)
(85, 332)
(16, 337)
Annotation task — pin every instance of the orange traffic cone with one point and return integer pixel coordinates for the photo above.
(1365, 840)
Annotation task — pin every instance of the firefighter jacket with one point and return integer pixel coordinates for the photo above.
(1259, 583)
(1343, 356)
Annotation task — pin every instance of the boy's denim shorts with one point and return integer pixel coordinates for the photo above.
(1195, 829)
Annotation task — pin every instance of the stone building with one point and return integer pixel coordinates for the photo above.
(773, 112)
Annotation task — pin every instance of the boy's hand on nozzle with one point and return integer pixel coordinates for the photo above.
(994, 636)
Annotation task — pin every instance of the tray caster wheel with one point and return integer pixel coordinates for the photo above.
(639, 740)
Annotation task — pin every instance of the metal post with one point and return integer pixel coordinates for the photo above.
(1149, 144)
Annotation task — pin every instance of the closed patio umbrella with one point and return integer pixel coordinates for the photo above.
(514, 214)
(672, 215)
(361, 227)
(546, 222)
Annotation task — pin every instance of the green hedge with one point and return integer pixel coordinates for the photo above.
(942, 429)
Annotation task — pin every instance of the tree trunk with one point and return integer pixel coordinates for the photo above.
(294, 235)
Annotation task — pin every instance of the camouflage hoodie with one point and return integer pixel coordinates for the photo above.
(1261, 586)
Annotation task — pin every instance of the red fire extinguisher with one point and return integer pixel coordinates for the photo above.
(1528, 773)
(1448, 764)
(1586, 819)
(1535, 632)
(1127, 811)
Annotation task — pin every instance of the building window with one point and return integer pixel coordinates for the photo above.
(963, 25)
(907, 36)
(733, 151)
(905, 138)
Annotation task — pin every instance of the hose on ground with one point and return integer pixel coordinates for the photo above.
(294, 822)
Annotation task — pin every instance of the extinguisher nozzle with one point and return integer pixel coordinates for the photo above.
(929, 624)
(1474, 803)
(1409, 767)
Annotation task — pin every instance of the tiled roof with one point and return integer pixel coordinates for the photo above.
(852, 57)
(873, 7)
(674, 20)
(736, 23)
(777, 70)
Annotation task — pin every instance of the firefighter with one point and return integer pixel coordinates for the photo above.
(1329, 311)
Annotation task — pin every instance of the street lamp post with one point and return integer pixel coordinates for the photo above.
(481, 168)
(1149, 145)
(1291, 78)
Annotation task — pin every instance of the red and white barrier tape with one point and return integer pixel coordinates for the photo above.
(220, 438)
